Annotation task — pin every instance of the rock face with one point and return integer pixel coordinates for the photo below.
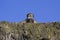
(29, 31)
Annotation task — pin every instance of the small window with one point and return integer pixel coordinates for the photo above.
(44, 39)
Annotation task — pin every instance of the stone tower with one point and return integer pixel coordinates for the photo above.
(29, 18)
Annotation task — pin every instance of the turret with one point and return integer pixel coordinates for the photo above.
(29, 18)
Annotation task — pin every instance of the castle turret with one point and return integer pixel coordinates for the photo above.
(29, 19)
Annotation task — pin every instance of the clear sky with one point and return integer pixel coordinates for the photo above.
(16, 10)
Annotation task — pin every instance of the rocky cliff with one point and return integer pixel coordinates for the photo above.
(29, 31)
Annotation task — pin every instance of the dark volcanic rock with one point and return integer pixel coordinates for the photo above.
(30, 31)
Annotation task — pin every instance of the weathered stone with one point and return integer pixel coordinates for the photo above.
(30, 31)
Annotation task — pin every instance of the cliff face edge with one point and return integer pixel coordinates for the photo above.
(29, 31)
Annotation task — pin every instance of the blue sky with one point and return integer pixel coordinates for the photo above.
(16, 10)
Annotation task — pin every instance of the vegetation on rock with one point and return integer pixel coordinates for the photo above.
(29, 31)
